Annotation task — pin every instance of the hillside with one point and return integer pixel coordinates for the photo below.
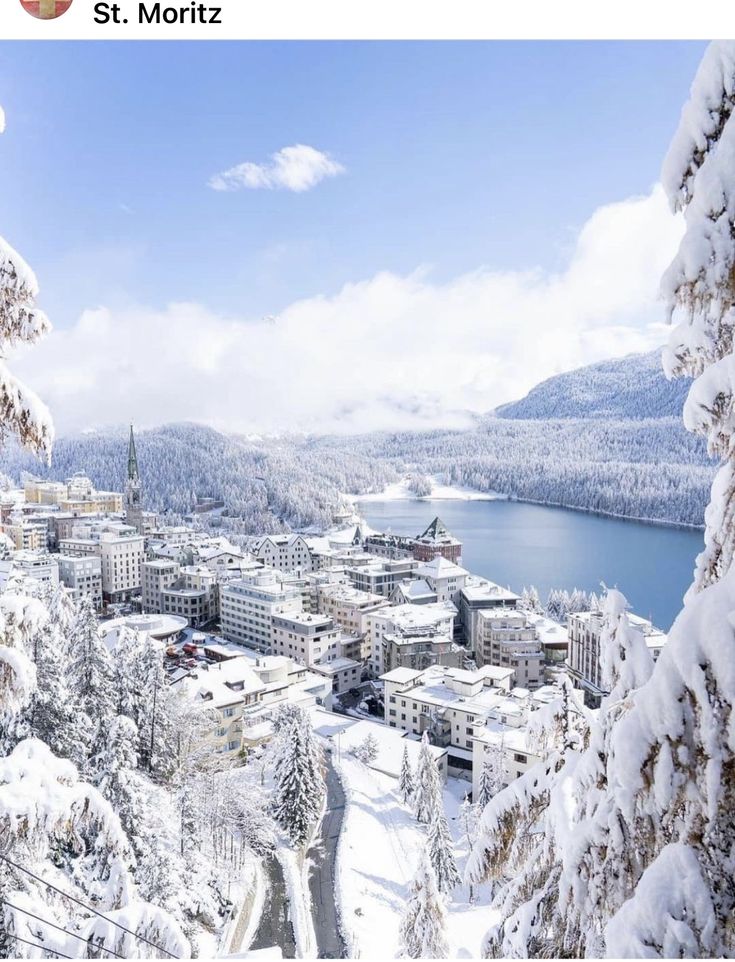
(605, 438)
(631, 388)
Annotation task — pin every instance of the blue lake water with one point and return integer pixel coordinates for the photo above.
(519, 544)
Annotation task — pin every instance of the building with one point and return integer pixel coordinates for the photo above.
(193, 595)
(133, 489)
(82, 576)
(285, 552)
(437, 541)
(349, 607)
(25, 535)
(247, 607)
(506, 638)
(434, 541)
(39, 566)
(380, 577)
(585, 633)
(305, 637)
(245, 693)
(157, 574)
(122, 562)
(447, 703)
(479, 594)
(411, 636)
(445, 578)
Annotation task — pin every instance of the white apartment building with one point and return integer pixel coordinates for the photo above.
(444, 577)
(82, 576)
(193, 595)
(507, 728)
(246, 692)
(305, 637)
(447, 703)
(411, 636)
(285, 552)
(247, 607)
(157, 574)
(380, 577)
(505, 637)
(318, 642)
(122, 560)
(39, 566)
(584, 666)
(121, 557)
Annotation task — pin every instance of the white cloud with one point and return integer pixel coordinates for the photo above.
(388, 352)
(297, 168)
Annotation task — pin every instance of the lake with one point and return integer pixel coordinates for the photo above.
(517, 544)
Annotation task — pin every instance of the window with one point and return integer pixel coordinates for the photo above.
(519, 757)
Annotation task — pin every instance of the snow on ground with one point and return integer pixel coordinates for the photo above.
(296, 876)
(377, 855)
(399, 491)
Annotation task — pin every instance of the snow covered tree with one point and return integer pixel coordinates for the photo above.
(90, 673)
(427, 794)
(700, 289)
(114, 767)
(492, 774)
(21, 411)
(367, 750)
(299, 788)
(469, 815)
(153, 719)
(405, 779)
(441, 851)
(423, 930)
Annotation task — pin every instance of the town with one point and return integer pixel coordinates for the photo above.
(386, 629)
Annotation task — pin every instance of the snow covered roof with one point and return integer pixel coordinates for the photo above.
(440, 567)
(438, 532)
(401, 675)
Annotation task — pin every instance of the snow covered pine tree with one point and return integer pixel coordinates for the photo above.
(424, 923)
(627, 848)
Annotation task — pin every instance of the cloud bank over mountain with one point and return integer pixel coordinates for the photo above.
(387, 352)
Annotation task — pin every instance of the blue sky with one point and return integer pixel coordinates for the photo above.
(457, 157)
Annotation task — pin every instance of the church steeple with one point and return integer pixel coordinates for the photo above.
(132, 459)
(133, 489)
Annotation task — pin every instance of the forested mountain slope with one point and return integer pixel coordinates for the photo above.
(630, 388)
(642, 469)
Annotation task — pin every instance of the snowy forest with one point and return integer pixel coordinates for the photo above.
(650, 469)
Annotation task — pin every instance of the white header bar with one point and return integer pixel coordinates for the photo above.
(369, 20)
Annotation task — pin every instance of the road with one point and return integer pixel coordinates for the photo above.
(323, 854)
(275, 927)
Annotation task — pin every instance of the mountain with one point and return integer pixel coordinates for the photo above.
(630, 388)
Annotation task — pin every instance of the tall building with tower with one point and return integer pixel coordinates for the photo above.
(133, 490)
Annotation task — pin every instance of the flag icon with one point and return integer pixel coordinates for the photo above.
(45, 9)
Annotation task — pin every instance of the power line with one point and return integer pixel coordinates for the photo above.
(37, 945)
(89, 908)
(98, 947)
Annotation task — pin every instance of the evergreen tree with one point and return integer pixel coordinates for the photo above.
(367, 750)
(21, 411)
(441, 851)
(427, 795)
(153, 719)
(115, 771)
(405, 779)
(299, 789)
(423, 930)
(492, 774)
(90, 673)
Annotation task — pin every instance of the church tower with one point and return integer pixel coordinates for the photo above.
(133, 500)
